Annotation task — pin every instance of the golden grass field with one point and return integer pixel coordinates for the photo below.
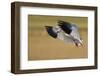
(41, 46)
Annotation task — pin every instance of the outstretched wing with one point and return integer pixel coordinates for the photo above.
(69, 29)
(65, 26)
(51, 32)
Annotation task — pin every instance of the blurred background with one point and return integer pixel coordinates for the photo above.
(41, 46)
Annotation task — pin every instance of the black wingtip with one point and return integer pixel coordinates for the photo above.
(65, 26)
(50, 31)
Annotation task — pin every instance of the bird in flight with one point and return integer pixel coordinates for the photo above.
(68, 32)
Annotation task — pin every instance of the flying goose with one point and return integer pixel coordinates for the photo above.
(68, 32)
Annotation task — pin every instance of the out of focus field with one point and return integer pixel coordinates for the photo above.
(41, 46)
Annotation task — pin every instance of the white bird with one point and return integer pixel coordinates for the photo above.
(65, 31)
